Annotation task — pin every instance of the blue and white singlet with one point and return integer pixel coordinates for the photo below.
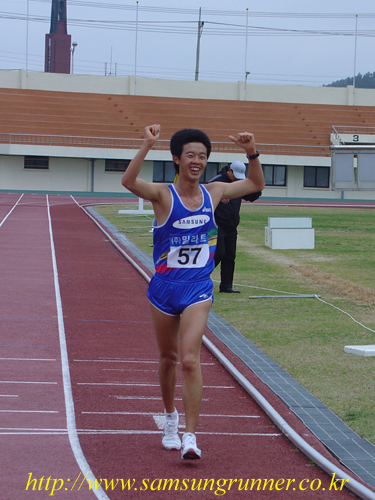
(184, 246)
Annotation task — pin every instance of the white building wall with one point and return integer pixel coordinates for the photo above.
(19, 79)
(64, 174)
(75, 174)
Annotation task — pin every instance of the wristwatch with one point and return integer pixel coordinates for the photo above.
(252, 157)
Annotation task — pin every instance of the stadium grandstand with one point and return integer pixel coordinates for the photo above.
(77, 133)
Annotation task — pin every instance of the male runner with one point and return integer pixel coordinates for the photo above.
(180, 292)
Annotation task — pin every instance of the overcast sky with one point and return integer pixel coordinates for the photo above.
(298, 42)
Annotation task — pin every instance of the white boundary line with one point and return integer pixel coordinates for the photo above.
(26, 382)
(69, 404)
(153, 414)
(8, 214)
(141, 432)
(137, 384)
(29, 411)
(25, 359)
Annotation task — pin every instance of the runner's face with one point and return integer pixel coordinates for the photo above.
(193, 159)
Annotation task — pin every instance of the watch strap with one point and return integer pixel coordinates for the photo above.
(252, 157)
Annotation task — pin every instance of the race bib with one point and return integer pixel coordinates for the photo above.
(189, 251)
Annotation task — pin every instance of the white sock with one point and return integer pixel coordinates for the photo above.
(171, 416)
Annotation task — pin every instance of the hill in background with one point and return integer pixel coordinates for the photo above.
(366, 81)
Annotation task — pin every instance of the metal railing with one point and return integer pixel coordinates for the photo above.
(353, 129)
(119, 143)
(69, 141)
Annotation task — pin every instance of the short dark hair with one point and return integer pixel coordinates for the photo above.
(185, 136)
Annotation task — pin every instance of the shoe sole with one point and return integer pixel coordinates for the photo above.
(190, 455)
(173, 448)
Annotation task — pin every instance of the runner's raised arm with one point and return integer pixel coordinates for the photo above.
(130, 179)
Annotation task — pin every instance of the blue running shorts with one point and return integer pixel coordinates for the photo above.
(172, 297)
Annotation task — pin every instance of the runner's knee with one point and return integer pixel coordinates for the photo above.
(190, 363)
(168, 361)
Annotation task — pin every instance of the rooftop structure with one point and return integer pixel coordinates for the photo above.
(58, 42)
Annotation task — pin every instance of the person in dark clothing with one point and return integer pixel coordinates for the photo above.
(227, 216)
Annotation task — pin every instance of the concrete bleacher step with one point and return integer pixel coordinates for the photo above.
(65, 113)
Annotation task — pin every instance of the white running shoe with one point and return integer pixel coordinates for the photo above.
(189, 448)
(171, 440)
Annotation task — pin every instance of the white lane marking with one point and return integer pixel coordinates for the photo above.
(31, 430)
(142, 413)
(147, 398)
(69, 403)
(47, 432)
(114, 361)
(8, 214)
(25, 359)
(9, 396)
(262, 434)
(151, 398)
(38, 429)
(127, 369)
(121, 431)
(117, 360)
(33, 433)
(135, 384)
(28, 411)
(25, 382)
(118, 383)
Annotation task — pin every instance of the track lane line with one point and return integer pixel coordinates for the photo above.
(26, 382)
(14, 206)
(29, 411)
(162, 414)
(137, 384)
(69, 404)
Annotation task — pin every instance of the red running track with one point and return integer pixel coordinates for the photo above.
(100, 346)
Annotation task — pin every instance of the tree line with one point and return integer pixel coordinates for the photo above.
(366, 81)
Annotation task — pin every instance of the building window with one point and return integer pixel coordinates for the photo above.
(36, 162)
(116, 165)
(211, 170)
(316, 177)
(164, 171)
(274, 175)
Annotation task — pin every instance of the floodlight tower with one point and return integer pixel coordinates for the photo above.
(58, 42)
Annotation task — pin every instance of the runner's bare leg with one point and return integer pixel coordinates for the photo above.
(166, 331)
(192, 326)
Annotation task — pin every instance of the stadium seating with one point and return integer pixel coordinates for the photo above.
(124, 116)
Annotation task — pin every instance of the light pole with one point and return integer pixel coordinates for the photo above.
(355, 55)
(136, 49)
(246, 72)
(27, 42)
(73, 48)
(200, 29)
